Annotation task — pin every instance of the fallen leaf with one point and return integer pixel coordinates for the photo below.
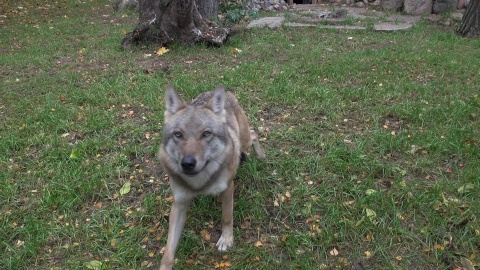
(74, 154)
(467, 264)
(162, 51)
(258, 244)
(94, 265)
(465, 188)
(371, 215)
(125, 188)
(334, 252)
(205, 234)
(235, 50)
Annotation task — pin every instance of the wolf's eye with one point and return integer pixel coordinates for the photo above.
(178, 134)
(206, 134)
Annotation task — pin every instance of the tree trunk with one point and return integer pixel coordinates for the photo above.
(207, 8)
(470, 26)
(165, 21)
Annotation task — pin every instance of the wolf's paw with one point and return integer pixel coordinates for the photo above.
(224, 243)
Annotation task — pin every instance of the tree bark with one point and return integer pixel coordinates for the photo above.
(470, 26)
(165, 21)
(207, 8)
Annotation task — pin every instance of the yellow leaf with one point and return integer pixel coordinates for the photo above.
(334, 252)
(162, 51)
(235, 50)
(258, 244)
(190, 262)
(368, 254)
(205, 234)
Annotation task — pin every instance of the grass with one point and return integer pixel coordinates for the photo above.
(372, 141)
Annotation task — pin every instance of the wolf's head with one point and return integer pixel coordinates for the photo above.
(195, 136)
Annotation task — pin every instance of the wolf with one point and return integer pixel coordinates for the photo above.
(202, 146)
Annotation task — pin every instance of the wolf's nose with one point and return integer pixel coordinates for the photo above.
(188, 163)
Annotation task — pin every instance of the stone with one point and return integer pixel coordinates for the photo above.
(391, 5)
(270, 22)
(457, 16)
(442, 6)
(387, 27)
(418, 7)
(294, 24)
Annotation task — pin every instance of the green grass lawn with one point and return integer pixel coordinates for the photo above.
(373, 145)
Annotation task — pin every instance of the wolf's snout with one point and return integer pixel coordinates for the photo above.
(188, 164)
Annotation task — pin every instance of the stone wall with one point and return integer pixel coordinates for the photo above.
(411, 7)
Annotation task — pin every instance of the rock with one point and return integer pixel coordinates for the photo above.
(391, 5)
(125, 4)
(386, 27)
(266, 5)
(418, 7)
(457, 16)
(359, 5)
(270, 22)
(442, 6)
(294, 24)
(434, 18)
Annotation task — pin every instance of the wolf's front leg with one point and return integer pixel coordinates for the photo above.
(176, 221)
(226, 240)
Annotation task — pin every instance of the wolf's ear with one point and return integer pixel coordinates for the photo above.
(173, 102)
(217, 101)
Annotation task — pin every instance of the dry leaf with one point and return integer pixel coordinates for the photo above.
(334, 252)
(258, 244)
(162, 51)
(235, 50)
(467, 264)
(190, 262)
(205, 234)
